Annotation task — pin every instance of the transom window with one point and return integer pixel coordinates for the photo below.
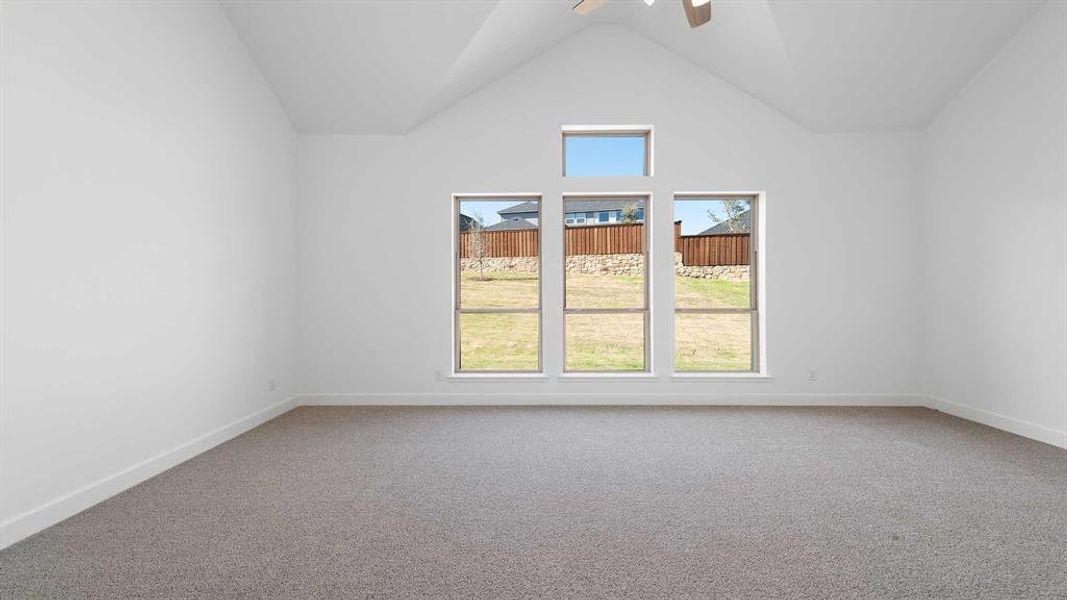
(607, 151)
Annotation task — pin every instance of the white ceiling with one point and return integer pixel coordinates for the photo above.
(383, 66)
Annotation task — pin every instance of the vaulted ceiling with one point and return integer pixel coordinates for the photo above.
(370, 66)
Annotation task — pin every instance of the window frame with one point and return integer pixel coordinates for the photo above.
(644, 131)
(458, 310)
(647, 289)
(757, 303)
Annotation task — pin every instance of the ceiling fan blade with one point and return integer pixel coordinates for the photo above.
(697, 11)
(587, 6)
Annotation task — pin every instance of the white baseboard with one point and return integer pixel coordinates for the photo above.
(32, 521)
(648, 398)
(1017, 426)
(1027, 429)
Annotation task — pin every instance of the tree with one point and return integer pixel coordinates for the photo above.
(477, 244)
(734, 210)
(629, 213)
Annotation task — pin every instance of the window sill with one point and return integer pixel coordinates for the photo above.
(731, 377)
(601, 377)
(496, 377)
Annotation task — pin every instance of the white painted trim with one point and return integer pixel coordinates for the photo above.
(1026, 429)
(490, 195)
(54, 511)
(454, 270)
(761, 273)
(590, 376)
(696, 377)
(501, 377)
(607, 128)
(572, 194)
(647, 398)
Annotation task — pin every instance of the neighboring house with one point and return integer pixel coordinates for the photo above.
(465, 223)
(526, 211)
(743, 225)
(579, 212)
(511, 224)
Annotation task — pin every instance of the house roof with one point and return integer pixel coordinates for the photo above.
(529, 206)
(745, 226)
(465, 222)
(575, 206)
(511, 224)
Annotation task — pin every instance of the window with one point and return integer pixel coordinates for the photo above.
(605, 289)
(607, 152)
(716, 321)
(603, 217)
(497, 274)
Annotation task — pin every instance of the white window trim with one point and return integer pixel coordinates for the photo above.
(454, 373)
(649, 349)
(646, 130)
(762, 373)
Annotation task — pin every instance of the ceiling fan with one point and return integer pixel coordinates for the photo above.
(698, 12)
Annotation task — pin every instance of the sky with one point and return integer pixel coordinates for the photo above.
(605, 156)
(487, 208)
(694, 214)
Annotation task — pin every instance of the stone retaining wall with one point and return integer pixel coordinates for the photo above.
(523, 264)
(724, 272)
(608, 264)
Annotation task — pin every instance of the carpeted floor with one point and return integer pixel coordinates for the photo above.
(577, 503)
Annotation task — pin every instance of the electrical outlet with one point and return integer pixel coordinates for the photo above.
(812, 375)
(271, 385)
(438, 376)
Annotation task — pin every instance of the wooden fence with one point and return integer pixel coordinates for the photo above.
(522, 242)
(710, 250)
(623, 238)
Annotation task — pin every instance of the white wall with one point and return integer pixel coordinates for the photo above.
(374, 317)
(995, 198)
(148, 185)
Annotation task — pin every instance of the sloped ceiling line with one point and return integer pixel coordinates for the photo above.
(383, 66)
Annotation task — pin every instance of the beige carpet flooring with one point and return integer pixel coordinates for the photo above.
(577, 503)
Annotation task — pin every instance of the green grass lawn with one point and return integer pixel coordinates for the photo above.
(712, 342)
(499, 289)
(498, 342)
(605, 291)
(710, 293)
(598, 342)
(601, 342)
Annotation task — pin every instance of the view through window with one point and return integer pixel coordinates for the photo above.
(605, 283)
(498, 284)
(715, 321)
(606, 325)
